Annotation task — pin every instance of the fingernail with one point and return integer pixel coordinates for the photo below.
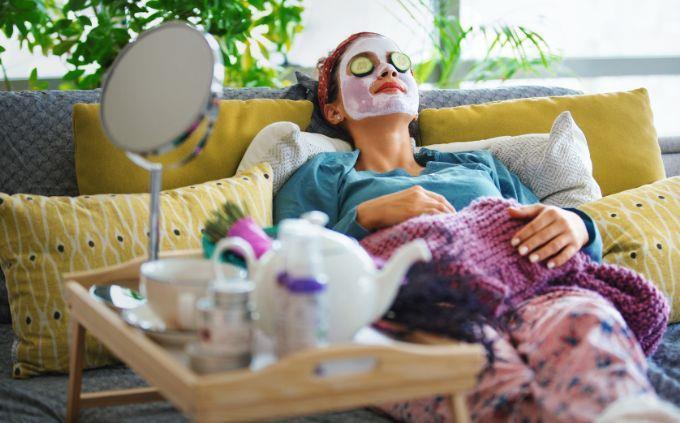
(514, 242)
(551, 265)
(523, 250)
(533, 258)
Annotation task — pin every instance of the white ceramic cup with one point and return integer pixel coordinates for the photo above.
(172, 287)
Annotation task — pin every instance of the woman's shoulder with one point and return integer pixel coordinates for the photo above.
(316, 177)
(323, 169)
(333, 162)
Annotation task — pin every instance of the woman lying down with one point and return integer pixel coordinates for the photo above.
(568, 336)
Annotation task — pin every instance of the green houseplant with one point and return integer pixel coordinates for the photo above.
(90, 33)
(509, 49)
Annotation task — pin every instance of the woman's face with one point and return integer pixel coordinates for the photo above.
(376, 79)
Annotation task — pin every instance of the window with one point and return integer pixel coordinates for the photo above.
(608, 45)
(590, 28)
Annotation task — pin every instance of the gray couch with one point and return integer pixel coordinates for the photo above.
(36, 156)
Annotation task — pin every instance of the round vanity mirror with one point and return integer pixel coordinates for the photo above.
(161, 89)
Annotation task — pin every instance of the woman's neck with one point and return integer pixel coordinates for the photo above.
(385, 144)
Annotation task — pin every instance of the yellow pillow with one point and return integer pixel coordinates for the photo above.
(640, 230)
(102, 168)
(618, 126)
(43, 237)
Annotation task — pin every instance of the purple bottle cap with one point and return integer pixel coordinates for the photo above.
(306, 285)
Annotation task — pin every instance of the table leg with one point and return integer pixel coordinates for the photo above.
(75, 373)
(459, 408)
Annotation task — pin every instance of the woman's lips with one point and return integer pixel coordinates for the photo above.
(390, 87)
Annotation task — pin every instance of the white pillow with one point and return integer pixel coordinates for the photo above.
(556, 166)
(285, 147)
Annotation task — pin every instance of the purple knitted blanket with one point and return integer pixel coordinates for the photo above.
(474, 245)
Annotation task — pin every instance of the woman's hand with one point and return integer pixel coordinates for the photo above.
(554, 234)
(395, 208)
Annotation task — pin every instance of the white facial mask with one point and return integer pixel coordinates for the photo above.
(357, 98)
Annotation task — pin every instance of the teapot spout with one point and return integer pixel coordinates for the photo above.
(389, 279)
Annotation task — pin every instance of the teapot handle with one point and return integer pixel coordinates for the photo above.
(236, 244)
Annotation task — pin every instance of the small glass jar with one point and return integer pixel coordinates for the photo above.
(225, 328)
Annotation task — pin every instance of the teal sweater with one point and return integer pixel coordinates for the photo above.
(330, 183)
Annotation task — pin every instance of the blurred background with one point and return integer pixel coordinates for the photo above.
(589, 45)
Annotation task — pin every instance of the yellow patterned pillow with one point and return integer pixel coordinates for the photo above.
(43, 237)
(640, 230)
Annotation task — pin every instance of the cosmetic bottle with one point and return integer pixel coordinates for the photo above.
(303, 311)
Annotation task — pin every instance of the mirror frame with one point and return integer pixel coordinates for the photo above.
(210, 110)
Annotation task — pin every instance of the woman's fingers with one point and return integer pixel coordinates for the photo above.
(442, 200)
(539, 239)
(544, 218)
(551, 248)
(524, 212)
(568, 252)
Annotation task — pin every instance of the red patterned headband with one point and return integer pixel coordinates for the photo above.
(329, 64)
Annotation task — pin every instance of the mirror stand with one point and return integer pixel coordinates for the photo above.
(156, 180)
(177, 71)
(155, 186)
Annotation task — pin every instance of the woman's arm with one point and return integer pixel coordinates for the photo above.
(392, 209)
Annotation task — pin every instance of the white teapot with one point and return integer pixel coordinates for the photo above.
(358, 293)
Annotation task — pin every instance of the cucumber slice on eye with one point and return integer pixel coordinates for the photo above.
(400, 61)
(361, 66)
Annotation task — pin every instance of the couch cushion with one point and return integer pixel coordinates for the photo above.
(639, 229)
(103, 168)
(43, 237)
(36, 141)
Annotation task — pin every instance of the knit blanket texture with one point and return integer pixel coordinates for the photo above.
(473, 246)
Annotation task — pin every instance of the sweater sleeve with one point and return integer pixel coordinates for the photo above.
(593, 247)
(348, 225)
(312, 187)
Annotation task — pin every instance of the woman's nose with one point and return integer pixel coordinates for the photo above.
(387, 70)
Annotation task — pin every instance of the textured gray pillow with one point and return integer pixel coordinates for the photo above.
(556, 166)
(561, 171)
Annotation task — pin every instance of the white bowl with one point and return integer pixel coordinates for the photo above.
(172, 287)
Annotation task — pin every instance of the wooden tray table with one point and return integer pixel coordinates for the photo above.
(289, 387)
